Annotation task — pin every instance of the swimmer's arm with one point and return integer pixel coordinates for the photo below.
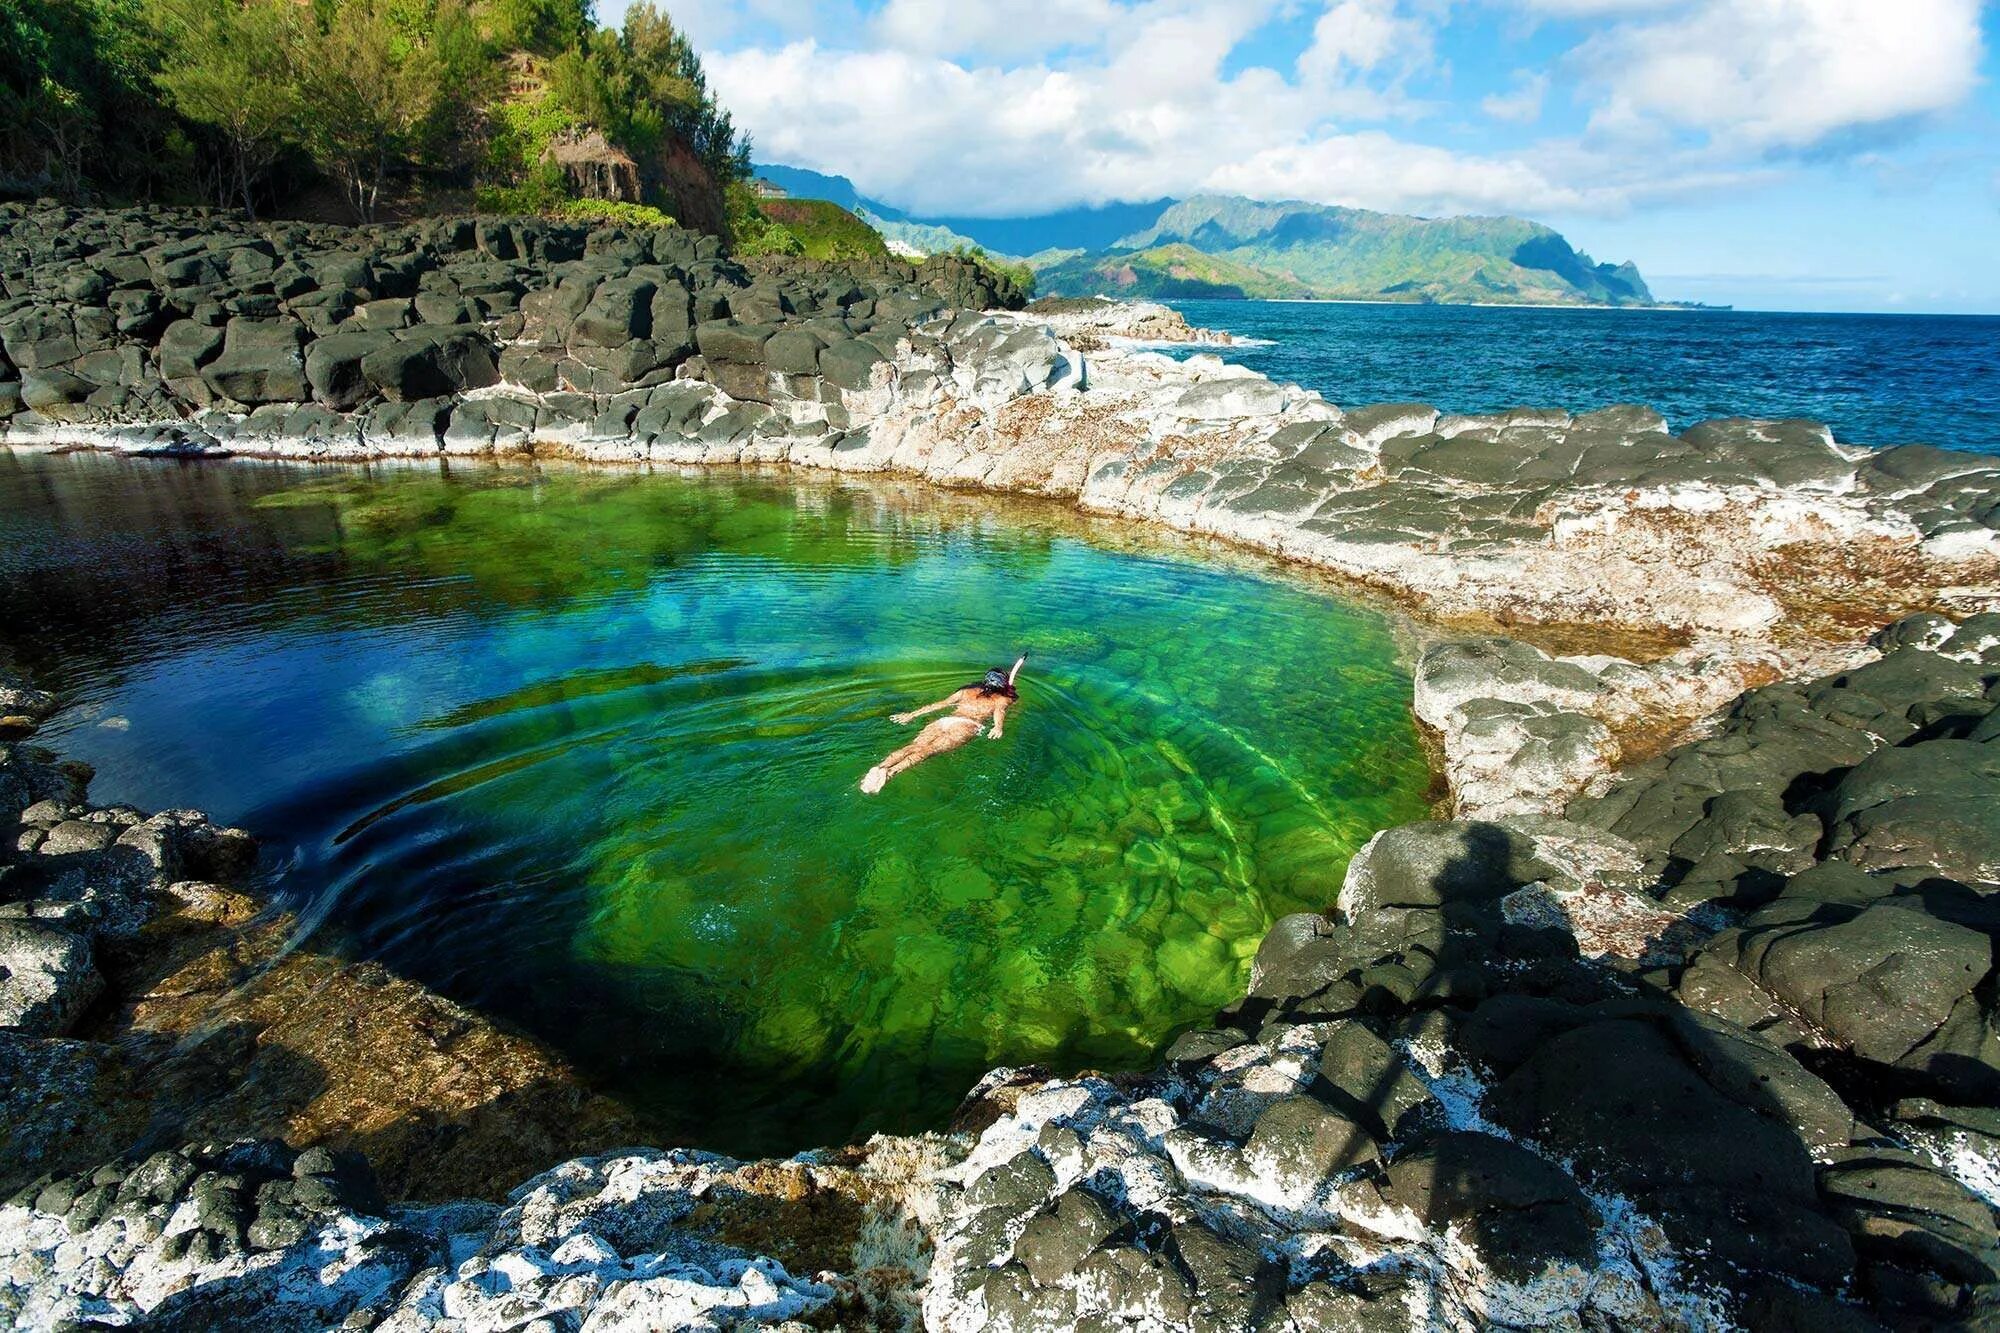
(948, 701)
(999, 720)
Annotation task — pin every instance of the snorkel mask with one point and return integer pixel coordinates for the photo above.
(996, 679)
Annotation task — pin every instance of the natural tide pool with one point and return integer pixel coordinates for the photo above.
(579, 749)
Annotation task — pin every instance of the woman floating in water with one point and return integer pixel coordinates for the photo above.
(981, 702)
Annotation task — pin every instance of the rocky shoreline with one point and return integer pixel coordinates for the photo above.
(1674, 1026)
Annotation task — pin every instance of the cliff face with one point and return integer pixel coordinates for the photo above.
(696, 197)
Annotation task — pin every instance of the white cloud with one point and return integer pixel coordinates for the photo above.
(1762, 74)
(1353, 36)
(935, 137)
(1522, 106)
(994, 30)
(1013, 108)
(1377, 170)
(1594, 8)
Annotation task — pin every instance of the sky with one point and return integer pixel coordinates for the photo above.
(1771, 154)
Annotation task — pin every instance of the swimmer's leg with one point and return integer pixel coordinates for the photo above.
(935, 739)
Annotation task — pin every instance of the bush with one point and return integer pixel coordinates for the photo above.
(610, 210)
(528, 200)
(752, 231)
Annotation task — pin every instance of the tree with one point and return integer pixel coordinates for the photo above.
(228, 66)
(666, 75)
(368, 91)
(546, 27)
(76, 97)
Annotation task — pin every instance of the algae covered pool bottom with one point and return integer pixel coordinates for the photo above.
(580, 749)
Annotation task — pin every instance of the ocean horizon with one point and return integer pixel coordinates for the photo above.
(1874, 379)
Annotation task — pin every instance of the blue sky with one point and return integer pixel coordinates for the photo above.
(1776, 154)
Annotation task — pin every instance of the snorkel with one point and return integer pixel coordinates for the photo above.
(997, 681)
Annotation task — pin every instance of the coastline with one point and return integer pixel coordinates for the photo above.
(1475, 305)
(1725, 551)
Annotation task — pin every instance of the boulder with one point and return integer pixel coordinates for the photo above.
(1371, 1078)
(56, 393)
(731, 343)
(47, 978)
(849, 363)
(185, 347)
(1732, 1186)
(431, 360)
(1299, 1143)
(1055, 1243)
(1519, 1212)
(1929, 1247)
(1934, 806)
(334, 369)
(792, 352)
(1881, 980)
(262, 361)
(620, 310)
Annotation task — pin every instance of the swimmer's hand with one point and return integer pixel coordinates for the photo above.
(902, 719)
(994, 734)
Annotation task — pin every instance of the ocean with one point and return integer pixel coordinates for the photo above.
(1876, 379)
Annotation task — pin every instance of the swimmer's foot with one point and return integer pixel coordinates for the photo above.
(874, 780)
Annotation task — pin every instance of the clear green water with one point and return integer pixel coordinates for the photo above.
(581, 749)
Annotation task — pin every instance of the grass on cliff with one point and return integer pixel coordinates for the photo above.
(814, 228)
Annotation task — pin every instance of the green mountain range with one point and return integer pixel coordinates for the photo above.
(1232, 247)
(1227, 246)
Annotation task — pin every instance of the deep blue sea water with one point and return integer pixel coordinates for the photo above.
(1876, 379)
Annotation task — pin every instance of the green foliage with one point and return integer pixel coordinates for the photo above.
(213, 96)
(75, 86)
(524, 200)
(373, 83)
(752, 231)
(641, 85)
(612, 210)
(545, 27)
(825, 230)
(520, 134)
(231, 68)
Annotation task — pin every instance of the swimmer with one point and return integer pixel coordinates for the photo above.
(984, 701)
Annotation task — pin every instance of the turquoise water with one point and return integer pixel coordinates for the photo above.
(580, 749)
(1876, 379)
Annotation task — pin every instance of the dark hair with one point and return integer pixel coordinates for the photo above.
(984, 685)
